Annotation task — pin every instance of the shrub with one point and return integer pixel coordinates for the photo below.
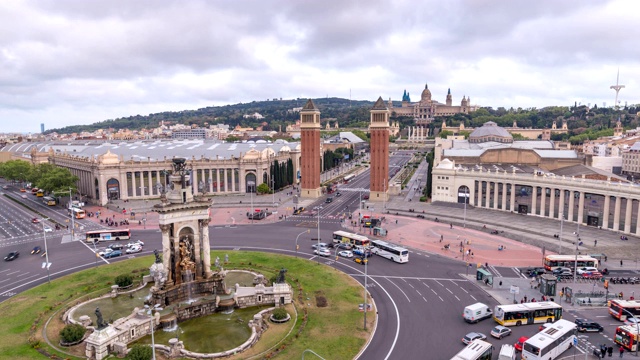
(124, 280)
(72, 333)
(423, 199)
(279, 314)
(140, 352)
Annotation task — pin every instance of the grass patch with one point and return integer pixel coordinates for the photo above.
(334, 331)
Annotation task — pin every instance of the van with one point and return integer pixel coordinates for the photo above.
(507, 352)
(476, 312)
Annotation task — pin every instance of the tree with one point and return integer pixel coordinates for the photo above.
(15, 170)
(57, 180)
(263, 189)
(429, 185)
(72, 333)
(443, 134)
(140, 352)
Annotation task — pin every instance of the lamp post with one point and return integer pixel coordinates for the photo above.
(466, 200)
(365, 290)
(560, 236)
(71, 213)
(46, 253)
(153, 340)
(319, 208)
(252, 210)
(306, 231)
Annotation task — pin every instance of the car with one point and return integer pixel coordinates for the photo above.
(631, 321)
(298, 211)
(535, 271)
(5, 187)
(361, 252)
(35, 220)
(135, 243)
(338, 194)
(585, 325)
(322, 252)
(345, 246)
(361, 260)
(563, 274)
(521, 340)
(346, 253)
(134, 249)
(473, 336)
(113, 254)
(11, 256)
(47, 229)
(23, 190)
(36, 250)
(561, 270)
(24, 196)
(105, 251)
(366, 197)
(500, 331)
(116, 246)
(320, 245)
(328, 200)
(587, 269)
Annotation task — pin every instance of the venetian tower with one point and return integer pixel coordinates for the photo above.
(184, 222)
(379, 130)
(310, 144)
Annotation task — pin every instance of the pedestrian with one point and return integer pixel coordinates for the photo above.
(621, 350)
(620, 265)
(500, 285)
(441, 238)
(396, 221)
(451, 225)
(595, 243)
(610, 351)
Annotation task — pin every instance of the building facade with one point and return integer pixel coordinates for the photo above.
(379, 130)
(427, 108)
(311, 152)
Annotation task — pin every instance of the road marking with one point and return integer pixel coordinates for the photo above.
(441, 299)
(4, 270)
(449, 291)
(403, 293)
(425, 300)
(11, 273)
(23, 274)
(456, 297)
(418, 292)
(464, 290)
(473, 297)
(438, 283)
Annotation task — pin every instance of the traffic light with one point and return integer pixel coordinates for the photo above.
(606, 284)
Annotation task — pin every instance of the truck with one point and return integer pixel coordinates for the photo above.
(476, 312)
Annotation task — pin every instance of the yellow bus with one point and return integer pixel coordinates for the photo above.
(527, 313)
(48, 200)
(77, 213)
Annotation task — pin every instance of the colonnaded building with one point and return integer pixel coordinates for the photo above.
(490, 170)
(427, 108)
(139, 169)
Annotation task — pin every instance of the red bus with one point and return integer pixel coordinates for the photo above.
(627, 337)
(621, 309)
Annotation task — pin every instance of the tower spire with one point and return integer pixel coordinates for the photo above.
(617, 87)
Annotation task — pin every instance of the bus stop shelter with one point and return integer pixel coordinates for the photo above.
(484, 275)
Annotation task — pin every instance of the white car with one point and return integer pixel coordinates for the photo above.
(322, 252)
(47, 229)
(135, 243)
(105, 251)
(134, 249)
(320, 245)
(345, 253)
(587, 269)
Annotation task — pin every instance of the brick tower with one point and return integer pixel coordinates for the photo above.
(379, 130)
(310, 157)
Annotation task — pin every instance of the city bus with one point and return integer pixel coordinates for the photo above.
(107, 235)
(621, 309)
(527, 313)
(48, 200)
(348, 178)
(390, 251)
(353, 239)
(77, 213)
(551, 342)
(551, 262)
(627, 337)
(476, 350)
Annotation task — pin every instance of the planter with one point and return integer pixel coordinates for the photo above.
(281, 321)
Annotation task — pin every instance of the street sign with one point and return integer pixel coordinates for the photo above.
(514, 289)
(575, 341)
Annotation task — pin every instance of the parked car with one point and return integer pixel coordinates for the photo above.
(322, 252)
(116, 246)
(11, 256)
(113, 254)
(586, 269)
(521, 340)
(366, 197)
(585, 325)
(473, 336)
(134, 249)
(500, 331)
(346, 253)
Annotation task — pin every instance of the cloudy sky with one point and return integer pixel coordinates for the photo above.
(78, 62)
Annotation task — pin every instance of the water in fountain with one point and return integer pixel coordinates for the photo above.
(187, 278)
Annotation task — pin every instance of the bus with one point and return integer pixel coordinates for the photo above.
(627, 337)
(107, 235)
(348, 178)
(527, 313)
(620, 309)
(390, 251)
(353, 239)
(77, 213)
(48, 200)
(551, 342)
(551, 262)
(476, 350)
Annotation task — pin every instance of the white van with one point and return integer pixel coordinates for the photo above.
(507, 352)
(476, 312)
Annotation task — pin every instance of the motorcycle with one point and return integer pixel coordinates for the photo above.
(605, 271)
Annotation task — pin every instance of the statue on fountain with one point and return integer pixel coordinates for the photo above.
(186, 263)
(280, 278)
(158, 257)
(100, 324)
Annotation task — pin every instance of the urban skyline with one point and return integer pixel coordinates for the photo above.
(66, 63)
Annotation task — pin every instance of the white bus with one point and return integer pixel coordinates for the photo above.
(77, 213)
(348, 178)
(107, 235)
(476, 350)
(353, 239)
(390, 251)
(552, 262)
(551, 342)
(527, 313)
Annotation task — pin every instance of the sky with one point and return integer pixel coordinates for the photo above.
(68, 62)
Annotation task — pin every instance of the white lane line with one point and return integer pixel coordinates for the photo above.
(23, 274)
(464, 290)
(11, 273)
(449, 291)
(403, 293)
(441, 299)
(425, 300)
(425, 284)
(418, 292)
(473, 297)
(456, 297)
(437, 282)
(434, 291)
(411, 286)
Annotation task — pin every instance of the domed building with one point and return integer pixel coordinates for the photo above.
(490, 131)
(427, 108)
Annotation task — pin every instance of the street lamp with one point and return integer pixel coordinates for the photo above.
(46, 252)
(306, 231)
(466, 200)
(319, 208)
(560, 237)
(72, 214)
(365, 290)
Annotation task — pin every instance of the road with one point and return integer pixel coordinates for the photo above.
(419, 303)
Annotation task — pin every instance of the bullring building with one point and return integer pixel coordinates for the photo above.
(139, 169)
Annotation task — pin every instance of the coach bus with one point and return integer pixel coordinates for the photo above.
(48, 200)
(353, 239)
(476, 350)
(627, 337)
(621, 309)
(551, 262)
(551, 342)
(527, 313)
(390, 251)
(107, 235)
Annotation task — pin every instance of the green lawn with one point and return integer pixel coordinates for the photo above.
(334, 331)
